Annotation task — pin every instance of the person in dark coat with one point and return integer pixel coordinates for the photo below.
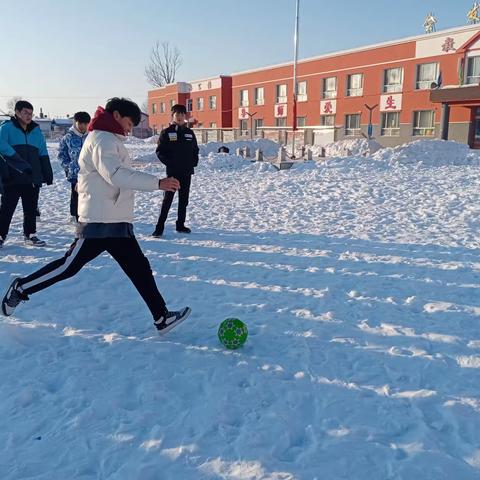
(178, 150)
(22, 140)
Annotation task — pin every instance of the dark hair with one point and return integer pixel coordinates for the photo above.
(21, 104)
(82, 117)
(178, 108)
(125, 107)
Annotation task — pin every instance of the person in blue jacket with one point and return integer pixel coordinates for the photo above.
(69, 151)
(21, 140)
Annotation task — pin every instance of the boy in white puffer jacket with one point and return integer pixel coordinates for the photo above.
(105, 208)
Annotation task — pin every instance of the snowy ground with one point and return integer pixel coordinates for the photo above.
(358, 280)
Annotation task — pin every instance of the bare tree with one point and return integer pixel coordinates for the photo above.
(165, 60)
(11, 105)
(144, 106)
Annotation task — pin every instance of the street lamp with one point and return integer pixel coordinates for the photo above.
(295, 84)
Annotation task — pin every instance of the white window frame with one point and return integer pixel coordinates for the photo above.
(200, 104)
(189, 105)
(426, 83)
(301, 122)
(281, 93)
(280, 120)
(154, 108)
(473, 79)
(349, 130)
(354, 91)
(390, 131)
(327, 94)
(256, 125)
(162, 107)
(302, 91)
(327, 120)
(212, 102)
(423, 131)
(388, 85)
(259, 100)
(244, 98)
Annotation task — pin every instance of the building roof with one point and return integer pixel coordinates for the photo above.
(424, 36)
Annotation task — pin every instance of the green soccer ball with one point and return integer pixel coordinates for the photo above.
(233, 333)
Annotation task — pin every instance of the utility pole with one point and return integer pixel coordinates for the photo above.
(295, 83)
(251, 115)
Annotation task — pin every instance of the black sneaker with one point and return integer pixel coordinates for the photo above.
(34, 241)
(171, 319)
(183, 229)
(157, 233)
(12, 298)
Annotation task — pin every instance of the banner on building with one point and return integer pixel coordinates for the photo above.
(243, 113)
(280, 110)
(328, 107)
(391, 102)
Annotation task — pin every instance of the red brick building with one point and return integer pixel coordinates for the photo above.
(399, 80)
(208, 102)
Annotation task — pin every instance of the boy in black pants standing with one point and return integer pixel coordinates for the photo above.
(178, 150)
(105, 208)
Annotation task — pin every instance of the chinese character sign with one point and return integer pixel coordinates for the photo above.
(243, 113)
(328, 107)
(280, 111)
(448, 45)
(391, 103)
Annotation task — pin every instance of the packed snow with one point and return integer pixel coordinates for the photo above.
(359, 281)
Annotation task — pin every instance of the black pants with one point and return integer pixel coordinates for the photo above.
(10, 198)
(183, 195)
(126, 252)
(74, 201)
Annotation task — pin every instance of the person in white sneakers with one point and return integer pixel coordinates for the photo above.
(68, 152)
(22, 139)
(105, 208)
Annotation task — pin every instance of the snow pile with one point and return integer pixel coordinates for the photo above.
(229, 162)
(429, 152)
(153, 139)
(268, 147)
(349, 147)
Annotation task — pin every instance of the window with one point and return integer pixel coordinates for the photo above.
(355, 85)
(301, 121)
(257, 123)
(162, 107)
(213, 124)
(390, 124)
(424, 123)
(244, 98)
(243, 127)
(302, 92)
(393, 80)
(352, 124)
(330, 87)
(259, 96)
(154, 108)
(200, 103)
(281, 93)
(327, 120)
(172, 103)
(280, 122)
(189, 104)
(473, 70)
(212, 102)
(426, 74)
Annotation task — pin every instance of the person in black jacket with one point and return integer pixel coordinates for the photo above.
(178, 150)
(23, 141)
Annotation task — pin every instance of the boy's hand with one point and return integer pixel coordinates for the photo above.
(169, 184)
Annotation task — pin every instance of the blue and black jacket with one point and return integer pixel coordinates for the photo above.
(69, 151)
(25, 153)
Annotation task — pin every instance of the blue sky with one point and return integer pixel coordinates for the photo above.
(72, 55)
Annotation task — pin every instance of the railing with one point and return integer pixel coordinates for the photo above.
(354, 92)
(390, 132)
(424, 131)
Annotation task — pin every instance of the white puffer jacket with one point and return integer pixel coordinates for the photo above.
(106, 181)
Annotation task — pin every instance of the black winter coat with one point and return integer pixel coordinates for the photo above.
(177, 149)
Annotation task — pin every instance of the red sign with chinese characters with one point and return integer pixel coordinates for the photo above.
(448, 45)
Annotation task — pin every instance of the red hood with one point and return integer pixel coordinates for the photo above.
(103, 120)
